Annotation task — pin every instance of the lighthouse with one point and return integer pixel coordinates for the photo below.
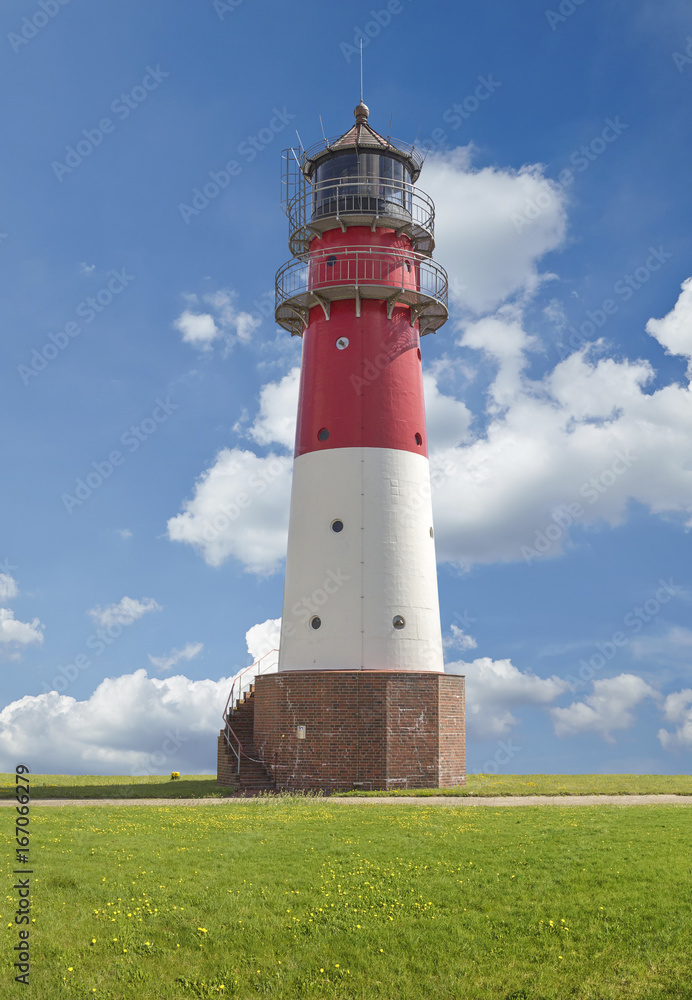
(361, 580)
(360, 698)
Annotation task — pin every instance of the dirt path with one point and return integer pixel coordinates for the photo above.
(417, 800)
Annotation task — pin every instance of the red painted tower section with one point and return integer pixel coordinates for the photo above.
(370, 393)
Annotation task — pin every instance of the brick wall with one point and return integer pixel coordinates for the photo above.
(365, 729)
(226, 764)
(452, 709)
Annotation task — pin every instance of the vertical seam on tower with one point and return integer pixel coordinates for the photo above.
(362, 512)
(362, 558)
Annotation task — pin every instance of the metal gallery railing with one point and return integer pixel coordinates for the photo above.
(385, 202)
(359, 267)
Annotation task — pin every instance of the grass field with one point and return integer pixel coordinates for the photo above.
(97, 786)
(195, 786)
(293, 898)
(560, 784)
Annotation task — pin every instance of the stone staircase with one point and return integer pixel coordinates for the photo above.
(253, 777)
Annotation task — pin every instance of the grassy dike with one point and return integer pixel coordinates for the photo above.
(294, 898)
(191, 786)
(98, 786)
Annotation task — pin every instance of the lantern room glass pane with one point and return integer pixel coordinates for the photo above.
(363, 184)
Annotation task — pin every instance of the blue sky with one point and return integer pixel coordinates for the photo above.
(137, 322)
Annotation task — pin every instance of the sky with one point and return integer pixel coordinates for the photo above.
(145, 386)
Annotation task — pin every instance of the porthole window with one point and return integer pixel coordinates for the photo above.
(315, 622)
(342, 343)
(331, 261)
(432, 533)
(337, 525)
(322, 434)
(419, 439)
(408, 264)
(398, 621)
(418, 352)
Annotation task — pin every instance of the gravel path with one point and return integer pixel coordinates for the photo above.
(417, 800)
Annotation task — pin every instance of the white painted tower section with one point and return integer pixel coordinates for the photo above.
(380, 566)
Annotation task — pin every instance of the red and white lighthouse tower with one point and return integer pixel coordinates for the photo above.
(360, 698)
(361, 580)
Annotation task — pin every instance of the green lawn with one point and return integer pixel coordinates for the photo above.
(561, 784)
(196, 786)
(291, 898)
(97, 786)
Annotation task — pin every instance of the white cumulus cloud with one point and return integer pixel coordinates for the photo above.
(608, 708)
(14, 631)
(125, 612)
(495, 687)
(276, 420)
(188, 652)
(221, 319)
(571, 449)
(240, 504)
(198, 329)
(8, 587)
(239, 509)
(131, 724)
(677, 710)
(674, 331)
(261, 639)
(488, 247)
(447, 419)
(458, 639)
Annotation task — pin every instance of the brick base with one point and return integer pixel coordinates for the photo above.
(364, 729)
(226, 764)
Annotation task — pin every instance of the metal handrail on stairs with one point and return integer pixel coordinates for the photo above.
(240, 752)
(238, 679)
(234, 699)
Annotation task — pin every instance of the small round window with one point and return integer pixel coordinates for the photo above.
(432, 533)
(315, 622)
(331, 261)
(323, 434)
(398, 621)
(408, 264)
(337, 525)
(418, 352)
(419, 439)
(342, 343)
